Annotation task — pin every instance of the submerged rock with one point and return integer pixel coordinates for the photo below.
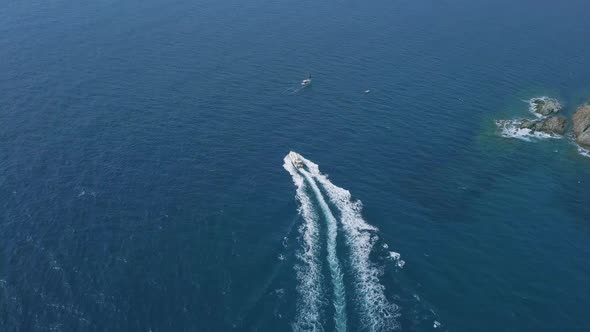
(551, 125)
(582, 125)
(545, 106)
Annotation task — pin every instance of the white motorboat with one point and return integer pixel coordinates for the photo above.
(306, 81)
(296, 160)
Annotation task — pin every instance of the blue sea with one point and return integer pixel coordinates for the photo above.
(145, 183)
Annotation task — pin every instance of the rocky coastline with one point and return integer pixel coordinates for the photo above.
(581, 125)
(550, 124)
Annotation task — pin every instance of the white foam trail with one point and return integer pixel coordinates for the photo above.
(308, 270)
(335, 272)
(377, 313)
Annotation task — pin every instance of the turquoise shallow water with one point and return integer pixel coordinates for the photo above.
(142, 180)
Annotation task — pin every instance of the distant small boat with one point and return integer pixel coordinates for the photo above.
(306, 81)
(367, 91)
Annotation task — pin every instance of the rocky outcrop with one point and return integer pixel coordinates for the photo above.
(545, 106)
(581, 128)
(550, 125)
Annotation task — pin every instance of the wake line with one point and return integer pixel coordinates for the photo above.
(377, 313)
(335, 272)
(309, 270)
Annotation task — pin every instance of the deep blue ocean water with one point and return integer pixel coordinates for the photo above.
(142, 185)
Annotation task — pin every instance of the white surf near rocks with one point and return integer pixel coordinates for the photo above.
(583, 151)
(544, 106)
(548, 125)
(512, 129)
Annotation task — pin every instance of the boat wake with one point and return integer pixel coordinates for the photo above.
(294, 90)
(375, 312)
(309, 268)
(335, 272)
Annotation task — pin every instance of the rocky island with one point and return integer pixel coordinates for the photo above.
(550, 125)
(544, 106)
